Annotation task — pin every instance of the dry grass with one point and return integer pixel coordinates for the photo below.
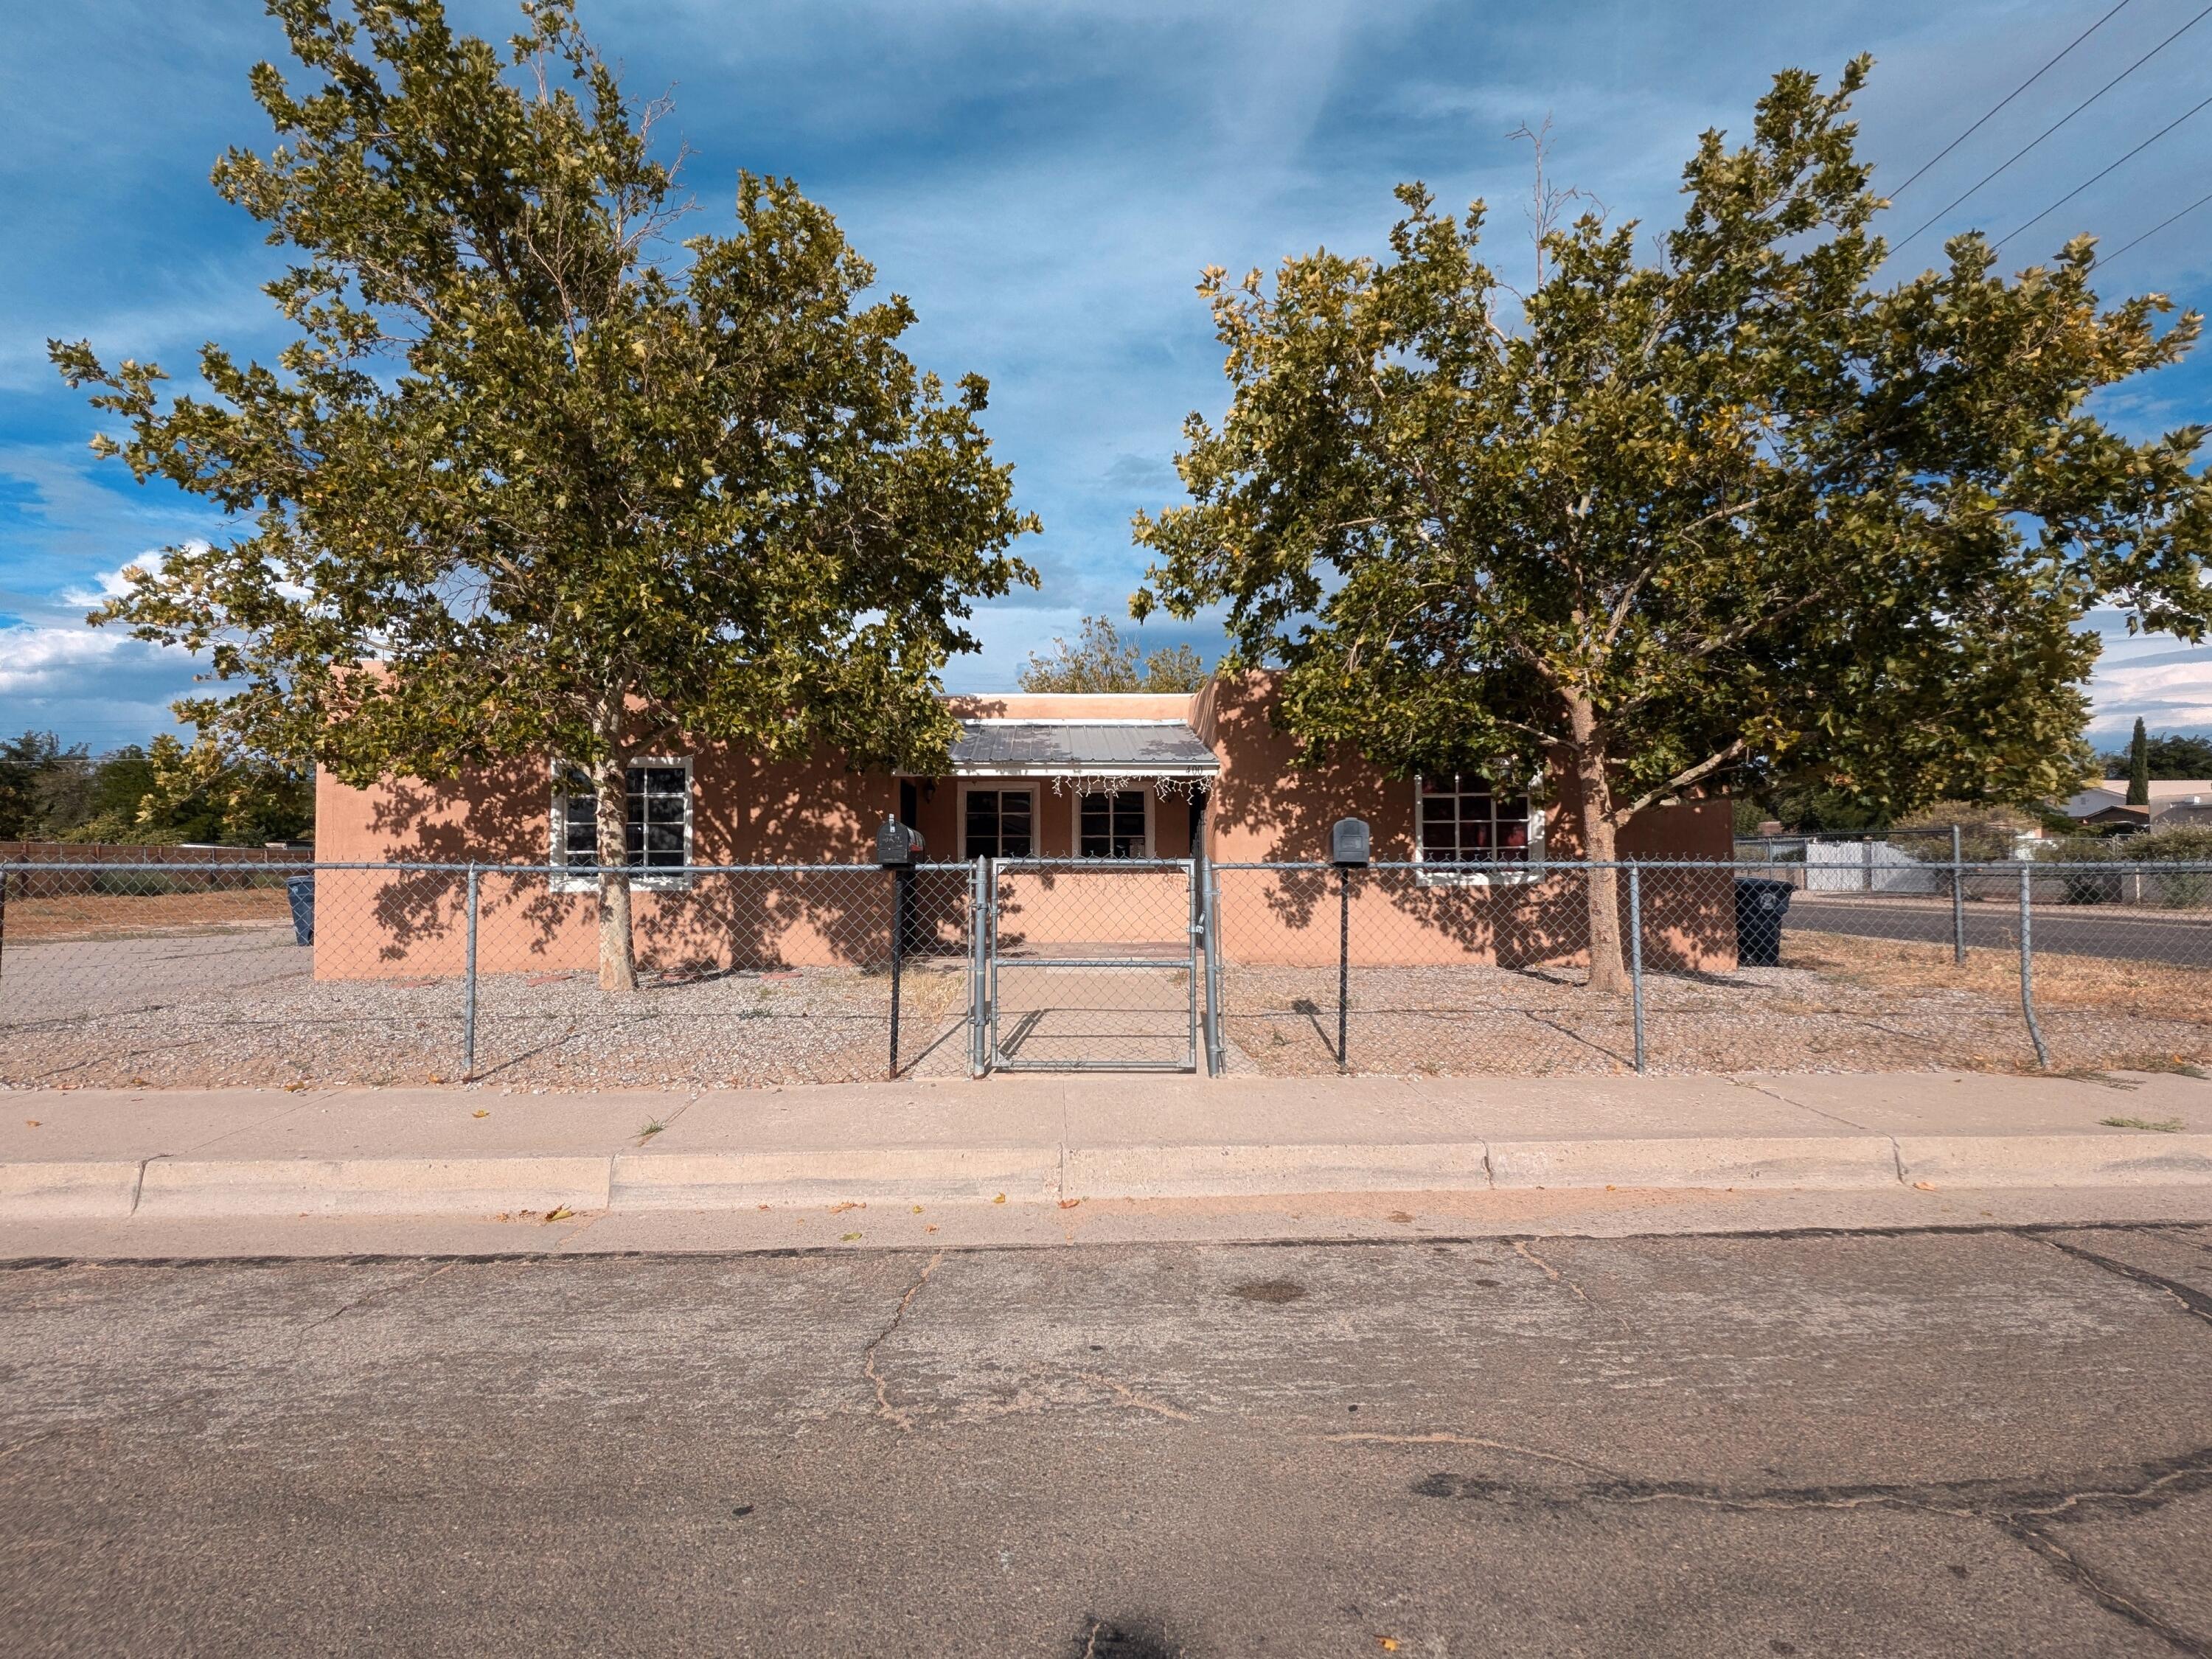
(2144, 989)
(122, 916)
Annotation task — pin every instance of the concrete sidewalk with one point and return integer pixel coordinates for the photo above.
(1032, 1141)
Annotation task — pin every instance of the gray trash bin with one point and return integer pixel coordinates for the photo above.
(301, 889)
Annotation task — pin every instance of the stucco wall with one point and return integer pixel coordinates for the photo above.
(374, 923)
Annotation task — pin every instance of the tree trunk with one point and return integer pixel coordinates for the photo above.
(617, 952)
(1609, 973)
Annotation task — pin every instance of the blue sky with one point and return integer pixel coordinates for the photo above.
(1045, 180)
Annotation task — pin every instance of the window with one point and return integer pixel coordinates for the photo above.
(1463, 819)
(656, 824)
(1112, 826)
(995, 824)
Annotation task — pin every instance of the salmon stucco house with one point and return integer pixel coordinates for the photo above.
(1098, 778)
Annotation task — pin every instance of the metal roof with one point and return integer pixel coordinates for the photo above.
(1112, 749)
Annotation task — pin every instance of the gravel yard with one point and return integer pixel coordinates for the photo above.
(240, 1009)
(236, 1006)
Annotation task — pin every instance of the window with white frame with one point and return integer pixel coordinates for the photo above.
(1461, 818)
(997, 824)
(656, 820)
(1113, 825)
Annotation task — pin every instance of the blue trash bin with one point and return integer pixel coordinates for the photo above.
(1760, 904)
(301, 889)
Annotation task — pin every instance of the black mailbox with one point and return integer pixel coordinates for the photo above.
(1347, 842)
(896, 844)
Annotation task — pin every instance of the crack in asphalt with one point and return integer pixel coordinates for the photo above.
(2020, 1510)
(2191, 1300)
(884, 1408)
(372, 1294)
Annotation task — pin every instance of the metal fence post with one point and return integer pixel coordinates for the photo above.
(2027, 975)
(1866, 866)
(5, 876)
(1215, 1054)
(975, 966)
(469, 1015)
(1958, 899)
(1343, 967)
(1636, 958)
(902, 875)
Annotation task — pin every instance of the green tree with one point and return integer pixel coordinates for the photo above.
(2167, 755)
(2139, 766)
(1653, 523)
(42, 786)
(205, 792)
(1101, 660)
(534, 479)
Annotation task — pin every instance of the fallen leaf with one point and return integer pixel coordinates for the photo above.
(560, 1212)
(481, 1112)
(293, 1088)
(847, 1238)
(763, 1207)
(931, 1228)
(917, 1209)
(1000, 1199)
(1388, 1643)
(1924, 1186)
(30, 1123)
(839, 1209)
(437, 1079)
(1069, 1203)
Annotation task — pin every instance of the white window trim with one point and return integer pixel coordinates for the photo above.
(1516, 874)
(664, 881)
(1075, 826)
(998, 785)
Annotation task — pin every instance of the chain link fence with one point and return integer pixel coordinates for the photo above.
(1486, 969)
(116, 974)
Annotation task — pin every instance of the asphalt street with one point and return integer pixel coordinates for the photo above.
(2082, 931)
(1964, 1443)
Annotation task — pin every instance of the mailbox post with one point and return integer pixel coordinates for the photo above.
(897, 846)
(1348, 851)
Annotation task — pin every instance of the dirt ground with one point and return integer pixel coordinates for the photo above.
(127, 915)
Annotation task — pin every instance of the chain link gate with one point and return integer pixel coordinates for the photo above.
(1088, 965)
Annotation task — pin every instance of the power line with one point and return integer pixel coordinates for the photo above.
(2007, 98)
(2055, 125)
(2154, 230)
(2085, 185)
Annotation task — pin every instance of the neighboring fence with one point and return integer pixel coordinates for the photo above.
(119, 973)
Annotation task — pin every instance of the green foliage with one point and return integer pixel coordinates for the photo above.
(2139, 767)
(2179, 843)
(1101, 660)
(2166, 755)
(1655, 523)
(30, 767)
(533, 479)
(1987, 833)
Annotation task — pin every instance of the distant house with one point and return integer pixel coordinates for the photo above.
(2106, 802)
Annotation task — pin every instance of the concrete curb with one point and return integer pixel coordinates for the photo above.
(908, 1175)
(1698, 1161)
(1238, 1171)
(1043, 1173)
(101, 1190)
(2083, 1160)
(376, 1185)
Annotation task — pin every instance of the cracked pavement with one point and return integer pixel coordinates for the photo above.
(1992, 1441)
